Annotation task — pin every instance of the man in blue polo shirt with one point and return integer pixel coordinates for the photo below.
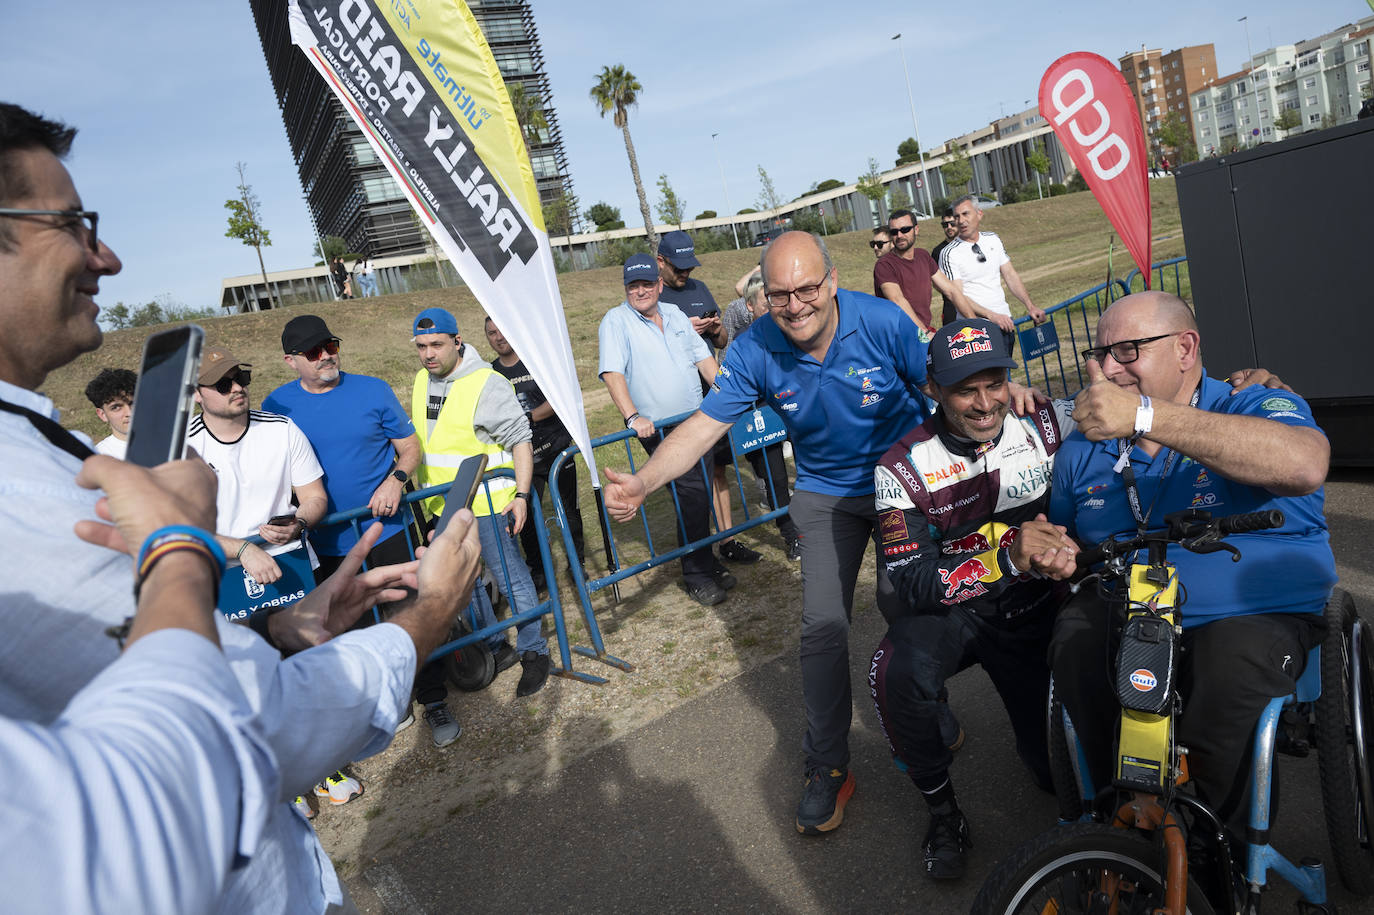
(653, 364)
(841, 368)
(1189, 443)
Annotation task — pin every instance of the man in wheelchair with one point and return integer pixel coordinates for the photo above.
(1154, 436)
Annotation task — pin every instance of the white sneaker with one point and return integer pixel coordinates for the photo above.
(339, 788)
(303, 807)
(407, 721)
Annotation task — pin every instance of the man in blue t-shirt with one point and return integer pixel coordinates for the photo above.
(1188, 443)
(841, 369)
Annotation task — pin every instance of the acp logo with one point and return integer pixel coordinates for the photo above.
(251, 586)
(1143, 680)
(1073, 93)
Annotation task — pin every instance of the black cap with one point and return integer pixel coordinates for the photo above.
(966, 347)
(303, 332)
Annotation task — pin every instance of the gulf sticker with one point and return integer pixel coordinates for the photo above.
(1143, 680)
(892, 525)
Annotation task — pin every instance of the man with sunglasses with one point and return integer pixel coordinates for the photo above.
(950, 226)
(881, 242)
(906, 273)
(1156, 436)
(977, 263)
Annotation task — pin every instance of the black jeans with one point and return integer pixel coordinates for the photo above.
(694, 502)
(567, 492)
(1228, 671)
(919, 653)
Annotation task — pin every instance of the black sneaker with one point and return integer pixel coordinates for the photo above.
(822, 805)
(707, 593)
(734, 551)
(721, 576)
(944, 845)
(793, 548)
(505, 657)
(535, 673)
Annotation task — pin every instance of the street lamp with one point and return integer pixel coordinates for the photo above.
(715, 146)
(925, 181)
(1250, 70)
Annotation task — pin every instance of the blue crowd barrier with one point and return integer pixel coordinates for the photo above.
(587, 586)
(1164, 271)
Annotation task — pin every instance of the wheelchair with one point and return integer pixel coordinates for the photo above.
(1113, 857)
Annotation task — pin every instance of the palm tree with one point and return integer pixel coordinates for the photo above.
(529, 113)
(617, 90)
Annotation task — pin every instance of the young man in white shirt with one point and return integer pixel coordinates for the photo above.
(112, 394)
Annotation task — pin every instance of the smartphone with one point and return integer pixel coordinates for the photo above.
(162, 397)
(282, 519)
(463, 490)
(710, 314)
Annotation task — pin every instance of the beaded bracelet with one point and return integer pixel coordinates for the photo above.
(174, 538)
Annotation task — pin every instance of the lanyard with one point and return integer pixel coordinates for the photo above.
(50, 430)
(1128, 473)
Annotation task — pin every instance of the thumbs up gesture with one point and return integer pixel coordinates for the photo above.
(1103, 410)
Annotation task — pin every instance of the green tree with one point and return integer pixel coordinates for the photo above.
(908, 151)
(958, 171)
(334, 246)
(1039, 162)
(1076, 183)
(1174, 135)
(605, 217)
(670, 207)
(1367, 91)
(245, 222)
(529, 113)
(117, 316)
(1287, 120)
(901, 200)
(558, 216)
(829, 184)
(768, 195)
(746, 211)
(870, 183)
(617, 91)
(707, 214)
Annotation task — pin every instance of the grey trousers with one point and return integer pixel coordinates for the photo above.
(835, 533)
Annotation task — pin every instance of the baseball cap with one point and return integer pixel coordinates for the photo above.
(967, 347)
(216, 362)
(440, 320)
(641, 267)
(677, 248)
(303, 332)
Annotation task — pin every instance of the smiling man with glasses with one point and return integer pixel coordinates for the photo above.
(977, 263)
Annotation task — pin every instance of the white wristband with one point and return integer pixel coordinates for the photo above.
(1144, 416)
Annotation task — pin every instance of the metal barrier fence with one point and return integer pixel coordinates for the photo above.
(1077, 318)
(615, 574)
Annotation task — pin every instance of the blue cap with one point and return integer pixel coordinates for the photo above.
(641, 267)
(440, 322)
(677, 248)
(964, 348)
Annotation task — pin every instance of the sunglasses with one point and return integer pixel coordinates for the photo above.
(226, 384)
(878, 245)
(900, 230)
(948, 225)
(982, 258)
(316, 352)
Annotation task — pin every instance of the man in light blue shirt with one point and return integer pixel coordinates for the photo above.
(653, 363)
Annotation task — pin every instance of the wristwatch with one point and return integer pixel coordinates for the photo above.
(630, 420)
(523, 495)
(400, 475)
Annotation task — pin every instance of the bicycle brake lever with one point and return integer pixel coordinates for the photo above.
(1208, 545)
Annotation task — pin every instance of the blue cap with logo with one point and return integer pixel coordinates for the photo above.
(967, 347)
(641, 267)
(677, 249)
(436, 321)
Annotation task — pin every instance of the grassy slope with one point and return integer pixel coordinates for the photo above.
(1058, 245)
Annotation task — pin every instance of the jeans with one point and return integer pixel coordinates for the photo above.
(694, 501)
(502, 556)
(367, 284)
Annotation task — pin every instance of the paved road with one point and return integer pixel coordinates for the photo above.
(693, 812)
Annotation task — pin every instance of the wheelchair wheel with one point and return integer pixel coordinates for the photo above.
(471, 667)
(1345, 725)
(1082, 867)
(1062, 772)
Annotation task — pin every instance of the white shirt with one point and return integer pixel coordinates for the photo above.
(114, 447)
(256, 472)
(318, 709)
(982, 279)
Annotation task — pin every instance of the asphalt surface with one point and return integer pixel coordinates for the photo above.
(694, 812)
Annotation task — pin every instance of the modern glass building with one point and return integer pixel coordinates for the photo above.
(346, 186)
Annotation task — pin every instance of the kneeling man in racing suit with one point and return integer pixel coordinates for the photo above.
(961, 502)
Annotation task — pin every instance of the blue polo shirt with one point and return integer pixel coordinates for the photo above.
(350, 427)
(843, 413)
(1287, 570)
(660, 366)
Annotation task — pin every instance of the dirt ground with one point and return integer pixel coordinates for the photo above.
(680, 650)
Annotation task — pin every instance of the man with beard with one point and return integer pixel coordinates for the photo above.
(906, 273)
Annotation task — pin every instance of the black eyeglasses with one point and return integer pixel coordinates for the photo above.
(875, 245)
(978, 252)
(805, 294)
(1124, 351)
(73, 219)
(900, 230)
(315, 352)
(226, 384)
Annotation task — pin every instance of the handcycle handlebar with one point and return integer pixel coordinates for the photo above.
(1193, 529)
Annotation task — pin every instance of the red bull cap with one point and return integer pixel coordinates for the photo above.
(966, 347)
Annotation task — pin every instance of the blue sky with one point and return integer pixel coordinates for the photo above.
(167, 104)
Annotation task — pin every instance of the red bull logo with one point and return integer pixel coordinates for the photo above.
(968, 572)
(1143, 680)
(975, 542)
(969, 340)
(968, 335)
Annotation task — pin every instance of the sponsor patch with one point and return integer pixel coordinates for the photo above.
(952, 472)
(867, 384)
(1204, 498)
(853, 371)
(964, 575)
(1098, 488)
(870, 399)
(892, 525)
(782, 395)
(1278, 403)
(790, 406)
(1285, 413)
(898, 549)
(723, 371)
(1143, 680)
(1093, 503)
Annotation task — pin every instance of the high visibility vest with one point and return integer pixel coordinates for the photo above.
(455, 438)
